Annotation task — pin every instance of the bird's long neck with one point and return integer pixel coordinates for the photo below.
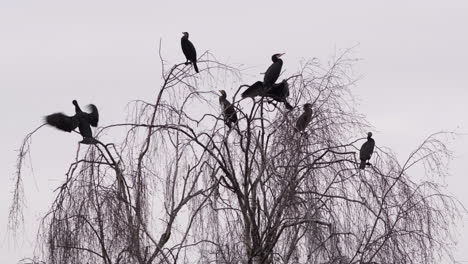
(276, 59)
(223, 99)
(77, 109)
(185, 37)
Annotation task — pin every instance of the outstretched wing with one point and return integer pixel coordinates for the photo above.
(62, 122)
(93, 115)
(255, 89)
(278, 91)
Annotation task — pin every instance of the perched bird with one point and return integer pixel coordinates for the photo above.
(81, 120)
(279, 92)
(304, 120)
(255, 89)
(189, 50)
(273, 72)
(366, 151)
(229, 112)
(260, 88)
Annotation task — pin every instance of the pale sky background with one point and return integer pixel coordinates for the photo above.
(414, 72)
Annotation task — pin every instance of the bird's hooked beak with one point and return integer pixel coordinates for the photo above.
(280, 54)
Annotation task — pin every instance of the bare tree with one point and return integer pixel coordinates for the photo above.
(182, 187)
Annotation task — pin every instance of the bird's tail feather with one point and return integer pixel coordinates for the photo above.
(195, 66)
(362, 165)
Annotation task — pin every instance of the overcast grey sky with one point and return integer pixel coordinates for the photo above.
(414, 71)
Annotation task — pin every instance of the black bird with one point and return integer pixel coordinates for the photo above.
(189, 50)
(271, 75)
(81, 120)
(255, 89)
(229, 112)
(366, 151)
(273, 72)
(304, 120)
(279, 92)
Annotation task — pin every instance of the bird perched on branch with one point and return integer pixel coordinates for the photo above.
(268, 88)
(273, 72)
(278, 92)
(189, 50)
(82, 120)
(229, 112)
(366, 151)
(304, 119)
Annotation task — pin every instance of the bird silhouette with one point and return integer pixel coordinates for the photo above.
(279, 92)
(255, 89)
(268, 88)
(366, 151)
(274, 71)
(304, 119)
(229, 112)
(81, 119)
(189, 50)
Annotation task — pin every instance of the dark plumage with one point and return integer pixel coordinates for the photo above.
(279, 92)
(255, 89)
(62, 122)
(366, 151)
(304, 119)
(268, 88)
(273, 72)
(229, 112)
(189, 50)
(82, 120)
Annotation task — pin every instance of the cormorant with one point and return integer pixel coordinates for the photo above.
(279, 92)
(189, 50)
(304, 120)
(273, 72)
(81, 120)
(366, 151)
(255, 89)
(260, 88)
(229, 112)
